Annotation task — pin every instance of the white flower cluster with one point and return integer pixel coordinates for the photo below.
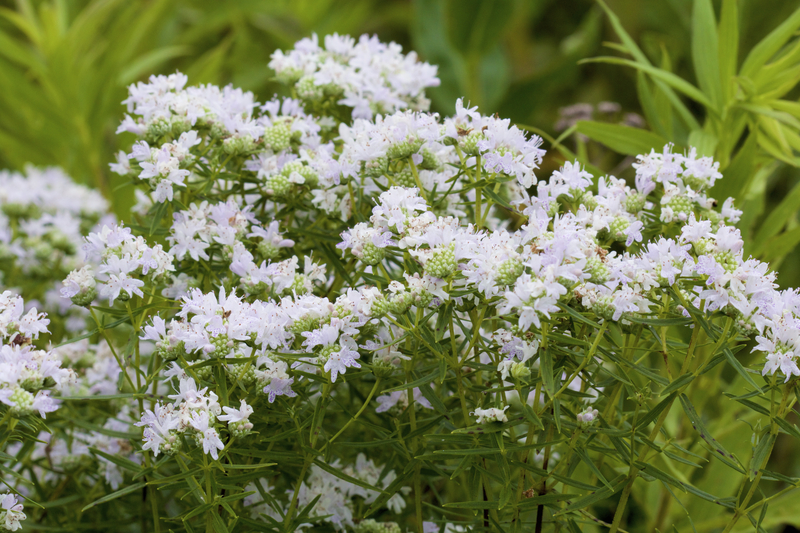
(227, 327)
(684, 178)
(381, 148)
(492, 414)
(24, 370)
(196, 413)
(233, 236)
(125, 262)
(10, 512)
(746, 290)
(43, 218)
(165, 167)
(367, 75)
(165, 106)
(180, 125)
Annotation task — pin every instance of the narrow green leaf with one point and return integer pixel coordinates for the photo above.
(661, 322)
(705, 50)
(597, 496)
(530, 415)
(770, 45)
(651, 110)
(546, 371)
(680, 459)
(754, 406)
(546, 499)
(579, 316)
(219, 524)
(176, 477)
(443, 319)
(728, 47)
(653, 413)
(158, 214)
(473, 505)
(698, 425)
(117, 494)
(336, 261)
(762, 516)
(788, 427)
(767, 111)
(669, 78)
(739, 173)
(122, 462)
(678, 383)
(777, 218)
(725, 502)
(496, 198)
(660, 474)
(627, 41)
(771, 139)
(337, 472)
(434, 399)
(416, 383)
(580, 452)
(734, 362)
(622, 139)
(104, 431)
(761, 453)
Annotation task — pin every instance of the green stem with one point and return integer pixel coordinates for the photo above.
(10, 430)
(417, 477)
(417, 180)
(293, 504)
(309, 458)
(740, 509)
(364, 406)
(113, 351)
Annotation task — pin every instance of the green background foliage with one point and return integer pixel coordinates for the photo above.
(719, 75)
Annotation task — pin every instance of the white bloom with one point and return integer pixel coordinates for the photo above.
(485, 416)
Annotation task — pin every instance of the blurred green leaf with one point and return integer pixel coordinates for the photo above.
(670, 79)
(770, 45)
(705, 51)
(777, 218)
(622, 139)
(728, 47)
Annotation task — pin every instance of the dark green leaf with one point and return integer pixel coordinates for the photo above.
(117, 494)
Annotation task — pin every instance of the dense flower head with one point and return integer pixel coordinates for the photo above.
(44, 216)
(366, 75)
(26, 372)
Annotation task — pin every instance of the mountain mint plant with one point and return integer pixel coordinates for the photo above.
(337, 311)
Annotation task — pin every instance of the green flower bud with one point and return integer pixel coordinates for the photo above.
(371, 254)
(278, 137)
(509, 271)
(403, 149)
(520, 371)
(442, 264)
(308, 90)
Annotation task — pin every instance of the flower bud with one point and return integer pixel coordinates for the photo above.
(587, 417)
